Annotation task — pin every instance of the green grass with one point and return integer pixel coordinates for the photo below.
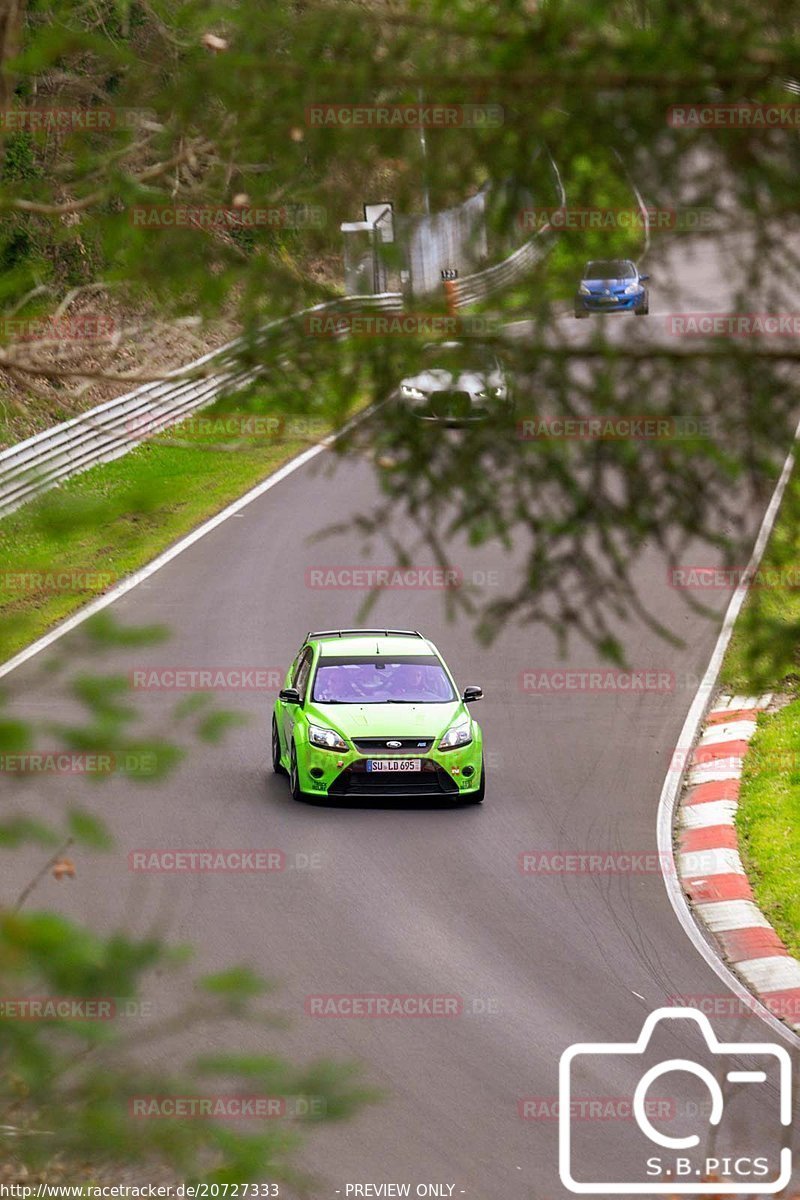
(590, 182)
(768, 820)
(118, 516)
(764, 653)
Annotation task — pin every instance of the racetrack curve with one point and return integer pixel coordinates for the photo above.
(418, 901)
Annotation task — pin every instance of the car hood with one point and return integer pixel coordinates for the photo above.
(439, 379)
(387, 720)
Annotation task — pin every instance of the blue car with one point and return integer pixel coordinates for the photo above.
(612, 285)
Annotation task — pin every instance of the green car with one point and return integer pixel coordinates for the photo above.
(375, 714)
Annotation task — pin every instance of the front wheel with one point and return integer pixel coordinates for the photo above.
(294, 776)
(644, 310)
(277, 765)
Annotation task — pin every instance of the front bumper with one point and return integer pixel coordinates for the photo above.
(443, 774)
(605, 304)
(467, 409)
(432, 782)
(477, 418)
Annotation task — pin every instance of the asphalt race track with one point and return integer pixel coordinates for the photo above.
(418, 901)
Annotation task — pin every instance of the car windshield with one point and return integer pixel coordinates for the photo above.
(456, 359)
(609, 268)
(418, 680)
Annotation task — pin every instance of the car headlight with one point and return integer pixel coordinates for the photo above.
(492, 394)
(413, 392)
(326, 739)
(631, 288)
(585, 291)
(457, 735)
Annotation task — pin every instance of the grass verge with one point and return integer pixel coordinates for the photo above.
(764, 656)
(764, 653)
(57, 553)
(768, 820)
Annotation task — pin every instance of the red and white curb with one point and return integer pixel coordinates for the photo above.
(710, 867)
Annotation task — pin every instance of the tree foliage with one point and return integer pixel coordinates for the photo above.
(204, 104)
(211, 107)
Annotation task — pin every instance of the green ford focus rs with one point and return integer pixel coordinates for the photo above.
(375, 714)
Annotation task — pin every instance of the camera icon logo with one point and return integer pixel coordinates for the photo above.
(678, 1171)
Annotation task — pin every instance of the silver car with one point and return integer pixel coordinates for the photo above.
(457, 383)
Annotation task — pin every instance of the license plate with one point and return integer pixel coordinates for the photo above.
(394, 764)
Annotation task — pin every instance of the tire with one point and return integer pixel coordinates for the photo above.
(277, 765)
(294, 778)
(481, 792)
(644, 310)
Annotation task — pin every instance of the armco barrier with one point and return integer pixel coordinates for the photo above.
(112, 429)
(473, 288)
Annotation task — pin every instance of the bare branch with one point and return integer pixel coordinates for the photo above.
(96, 197)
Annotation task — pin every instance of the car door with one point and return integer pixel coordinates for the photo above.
(299, 680)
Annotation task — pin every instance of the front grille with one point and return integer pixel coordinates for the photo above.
(450, 404)
(381, 745)
(356, 780)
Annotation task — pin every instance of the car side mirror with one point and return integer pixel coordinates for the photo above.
(289, 695)
(644, 277)
(471, 694)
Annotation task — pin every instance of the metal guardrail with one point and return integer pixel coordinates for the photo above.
(473, 288)
(112, 429)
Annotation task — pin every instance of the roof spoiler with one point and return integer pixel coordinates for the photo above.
(366, 633)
